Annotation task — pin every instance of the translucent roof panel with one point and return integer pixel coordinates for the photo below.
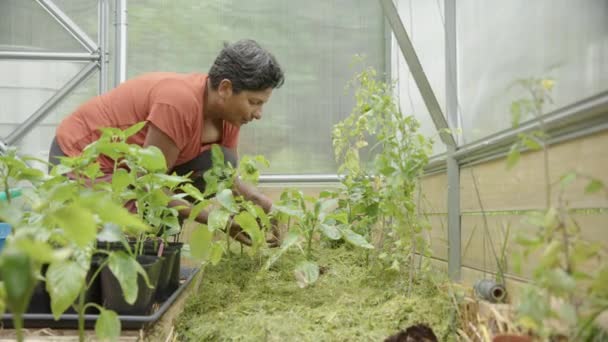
(500, 43)
(423, 21)
(85, 14)
(314, 41)
(26, 26)
(26, 85)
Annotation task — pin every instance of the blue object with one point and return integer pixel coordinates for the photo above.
(5, 230)
(15, 192)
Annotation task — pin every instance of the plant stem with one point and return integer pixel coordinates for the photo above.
(103, 264)
(81, 315)
(18, 321)
(309, 245)
(228, 226)
(538, 112)
(411, 265)
(6, 190)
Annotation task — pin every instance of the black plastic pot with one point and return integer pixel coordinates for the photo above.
(169, 254)
(175, 269)
(170, 274)
(127, 322)
(113, 297)
(40, 301)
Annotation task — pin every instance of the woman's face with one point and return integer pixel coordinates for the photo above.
(245, 106)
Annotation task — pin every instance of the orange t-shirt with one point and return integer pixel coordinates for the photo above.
(172, 102)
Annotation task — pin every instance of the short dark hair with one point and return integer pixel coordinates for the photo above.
(248, 66)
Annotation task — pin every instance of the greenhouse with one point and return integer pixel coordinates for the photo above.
(330, 170)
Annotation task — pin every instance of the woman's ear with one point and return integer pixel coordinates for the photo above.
(224, 89)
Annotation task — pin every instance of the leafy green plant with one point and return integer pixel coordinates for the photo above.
(539, 94)
(564, 300)
(231, 208)
(397, 157)
(305, 217)
(59, 221)
(563, 291)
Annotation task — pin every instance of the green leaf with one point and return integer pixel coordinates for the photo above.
(200, 242)
(134, 129)
(110, 233)
(259, 213)
(291, 239)
(559, 281)
(2, 298)
(567, 179)
(64, 280)
(583, 251)
(78, 224)
(330, 231)
(226, 199)
(594, 186)
(107, 327)
(251, 227)
(218, 219)
(515, 114)
(599, 285)
(532, 143)
(114, 150)
(328, 205)
(341, 217)
(197, 209)
(170, 180)
(193, 192)
(109, 211)
(126, 269)
(356, 239)
(217, 156)
(551, 255)
(121, 179)
(18, 274)
(306, 273)
(152, 159)
(288, 210)
(513, 156)
(42, 251)
(530, 242)
(63, 192)
(551, 219)
(216, 254)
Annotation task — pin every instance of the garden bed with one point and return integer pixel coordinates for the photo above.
(351, 301)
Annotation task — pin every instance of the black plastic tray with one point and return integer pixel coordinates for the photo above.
(70, 321)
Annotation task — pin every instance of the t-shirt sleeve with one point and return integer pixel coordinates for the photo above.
(174, 123)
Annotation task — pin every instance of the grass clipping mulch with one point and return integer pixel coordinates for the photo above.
(351, 301)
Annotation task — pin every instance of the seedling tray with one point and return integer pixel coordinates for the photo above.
(70, 321)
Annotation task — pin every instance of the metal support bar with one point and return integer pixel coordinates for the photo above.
(50, 56)
(577, 120)
(320, 178)
(102, 36)
(582, 111)
(391, 13)
(120, 41)
(46, 108)
(451, 90)
(68, 25)
(454, 234)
